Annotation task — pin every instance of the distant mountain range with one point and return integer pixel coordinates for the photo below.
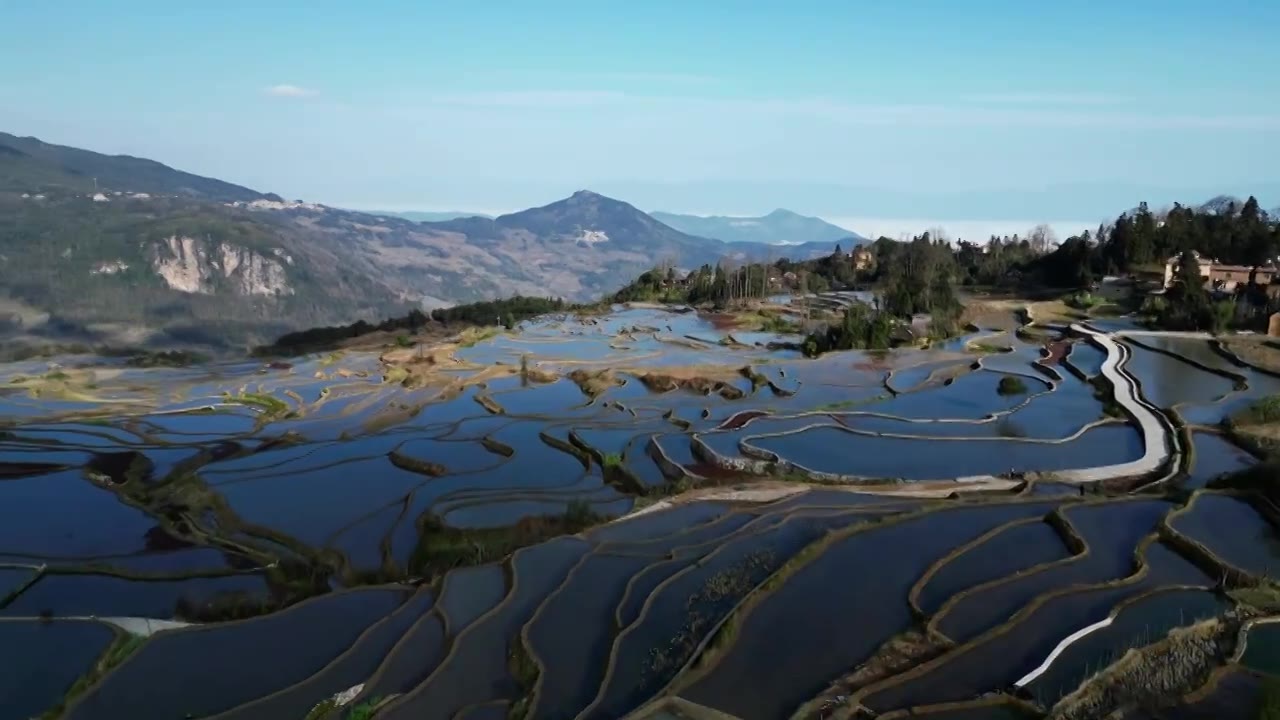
(26, 163)
(114, 249)
(427, 215)
(780, 227)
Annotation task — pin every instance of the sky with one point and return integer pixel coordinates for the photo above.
(979, 115)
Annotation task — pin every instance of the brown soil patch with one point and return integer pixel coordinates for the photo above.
(1256, 350)
(993, 314)
(1057, 351)
(594, 382)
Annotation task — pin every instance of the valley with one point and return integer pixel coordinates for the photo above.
(643, 511)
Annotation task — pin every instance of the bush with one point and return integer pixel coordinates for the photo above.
(1011, 385)
(1265, 410)
(1082, 301)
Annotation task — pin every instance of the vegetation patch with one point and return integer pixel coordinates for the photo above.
(704, 607)
(124, 646)
(488, 403)
(1011, 385)
(364, 709)
(166, 358)
(441, 548)
(594, 383)
(1260, 412)
(271, 408)
(417, 465)
(987, 348)
(1150, 677)
(497, 447)
(1104, 392)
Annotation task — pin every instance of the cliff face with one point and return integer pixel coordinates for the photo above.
(189, 265)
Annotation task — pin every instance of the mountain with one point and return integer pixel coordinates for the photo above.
(1221, 204)
(158, 256)
(427, 216)
(28, 164)
(780, 227)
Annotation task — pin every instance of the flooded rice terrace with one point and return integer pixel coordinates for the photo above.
(631, 514)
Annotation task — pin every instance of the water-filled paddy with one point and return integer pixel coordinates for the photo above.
(793, 628)
(1252, 544)
(79, 595)
(1262, 648)
(574, 662)
(1141, 622)
(202, 671)
(39, 661)
(235, 490)
(1111, 532)
(1011, 550)
(1214, 456)
(868, 456)
(1168, 381)
(350, 668)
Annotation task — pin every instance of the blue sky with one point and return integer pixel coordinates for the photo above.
(922, 110)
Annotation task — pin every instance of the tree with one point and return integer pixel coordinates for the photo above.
(1041, 239)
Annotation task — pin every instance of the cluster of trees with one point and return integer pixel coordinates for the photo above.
(724, 284)
(506, 312)
(1187, 305)
(1223, 229)
(860, 328)
(915, 278)
(1230, 232)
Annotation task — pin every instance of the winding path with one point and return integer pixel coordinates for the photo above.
(1157, 433)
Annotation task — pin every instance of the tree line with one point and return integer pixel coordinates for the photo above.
(506, 312)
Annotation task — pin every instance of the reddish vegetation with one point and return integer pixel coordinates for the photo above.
(1057, 351)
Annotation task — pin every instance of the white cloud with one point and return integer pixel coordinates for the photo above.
(289, 91)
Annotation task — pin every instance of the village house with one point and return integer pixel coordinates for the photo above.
(1221, 277)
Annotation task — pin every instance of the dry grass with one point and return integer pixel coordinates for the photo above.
(1258, 350)
(1154, 675)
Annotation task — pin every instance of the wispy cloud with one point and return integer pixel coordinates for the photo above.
(289, 91)
(1045, 98)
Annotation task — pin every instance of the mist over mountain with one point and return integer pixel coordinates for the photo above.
(427, 215)
(780, 227)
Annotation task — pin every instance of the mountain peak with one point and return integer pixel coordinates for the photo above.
(780, 227)
(586, 195)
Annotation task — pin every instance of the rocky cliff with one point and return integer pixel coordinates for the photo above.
(190, 265)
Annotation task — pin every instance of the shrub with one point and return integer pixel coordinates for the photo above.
(1010, 385)
(1265, 410)
(1082, 301)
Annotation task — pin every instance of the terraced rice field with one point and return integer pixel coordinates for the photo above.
(625, 516)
